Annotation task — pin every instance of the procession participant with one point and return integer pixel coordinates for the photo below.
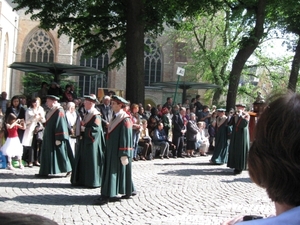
(220, 154)
(88, 166)
(239, 140)
(56, 153)
(117, 174)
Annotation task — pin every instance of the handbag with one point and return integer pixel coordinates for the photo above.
(39, 131)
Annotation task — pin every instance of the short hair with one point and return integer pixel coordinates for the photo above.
(133, 106)
(106, 97)
(274, 155)
(143, 121)
(70, 104)
(198, 96)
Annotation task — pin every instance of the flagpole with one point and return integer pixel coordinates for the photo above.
(178, 78)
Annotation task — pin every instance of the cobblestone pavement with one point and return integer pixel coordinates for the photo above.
(170, 191)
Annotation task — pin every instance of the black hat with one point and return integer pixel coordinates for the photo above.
(119, 99)
(91, 98)
(240, 105)
(221, 110)
(53, 97)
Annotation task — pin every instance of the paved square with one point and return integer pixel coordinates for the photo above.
(170, 191)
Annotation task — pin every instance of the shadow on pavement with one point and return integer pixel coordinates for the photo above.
(200, 171)
(56, 199)
(29, 184)
(239, 179)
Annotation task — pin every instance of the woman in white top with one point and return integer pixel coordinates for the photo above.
(203, 138)
(73, 119)
(34, 114)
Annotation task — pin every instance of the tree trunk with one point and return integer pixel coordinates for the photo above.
(248, 45)
(216, 97)
(295, 68)
(135, 90)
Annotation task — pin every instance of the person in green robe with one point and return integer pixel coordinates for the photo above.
(88, 166)
(220, 154)
(239, 141)
(117, 173)
(56, 154)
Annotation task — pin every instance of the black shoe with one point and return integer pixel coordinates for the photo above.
(104, 200)
(126, 197)
(236, 171)
(181, 157)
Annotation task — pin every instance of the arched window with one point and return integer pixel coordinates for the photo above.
(90, 84)
(152, 62)
(40, 48)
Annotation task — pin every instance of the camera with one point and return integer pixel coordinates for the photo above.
(251, 217)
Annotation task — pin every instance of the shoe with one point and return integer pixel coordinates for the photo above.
(181, 157)
(143, 158)
(134, 193)
(36, 164)
(9, 167)
(104, 200)
(167, 157)
(126, 197)
(30, 165)
(203, 154)
(69, 174)
(236, 171)
(21, 166)
(193, 156)
(161, 157)
(175, 157)
(135, 159)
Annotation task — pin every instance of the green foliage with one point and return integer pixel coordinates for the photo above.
(100, 25)
(32, 83)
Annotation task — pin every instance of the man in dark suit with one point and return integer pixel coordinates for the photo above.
(106, 111)
(179, 130)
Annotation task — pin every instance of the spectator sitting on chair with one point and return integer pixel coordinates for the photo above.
(160, 138)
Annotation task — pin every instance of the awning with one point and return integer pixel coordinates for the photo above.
(56, 69)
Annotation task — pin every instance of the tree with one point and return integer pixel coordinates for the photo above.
(287, 16)
(256, 12)
(100, 25)
(212, 39)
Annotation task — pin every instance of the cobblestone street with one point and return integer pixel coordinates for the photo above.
(170, 191)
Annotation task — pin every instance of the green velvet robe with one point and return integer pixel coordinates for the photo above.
(117, 179)
(88, 166)
(239, 144)
(220, 154)
(56, 159)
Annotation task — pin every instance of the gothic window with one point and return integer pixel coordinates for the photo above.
(152, 62)
(90, 84)
(40, 48)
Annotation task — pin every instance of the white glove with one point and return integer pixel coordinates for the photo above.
(57, 142)
(124, 160)
(82, 128)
